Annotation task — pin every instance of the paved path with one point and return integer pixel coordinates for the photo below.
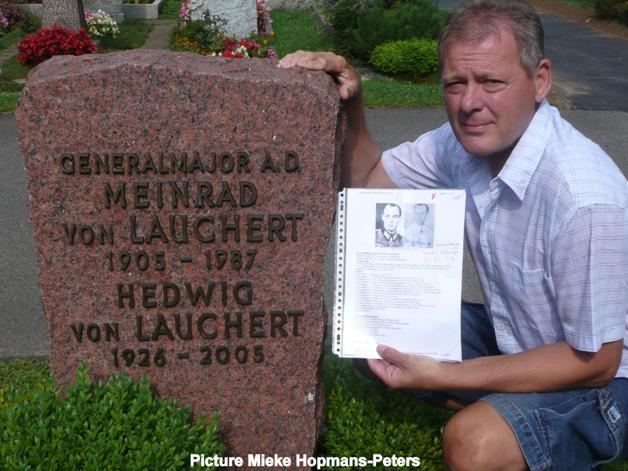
(159, 37)
(591, 68)
(8, 53)
(23, 332)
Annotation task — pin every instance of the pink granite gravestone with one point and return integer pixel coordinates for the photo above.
(181, 207)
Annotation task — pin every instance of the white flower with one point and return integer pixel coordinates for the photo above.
(101, 24)
(241, 50)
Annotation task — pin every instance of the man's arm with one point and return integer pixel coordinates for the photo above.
(362, 166)
(549, 368)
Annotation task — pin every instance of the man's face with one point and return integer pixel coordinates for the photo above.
(420, 213)
(390, 218)
(489, 97)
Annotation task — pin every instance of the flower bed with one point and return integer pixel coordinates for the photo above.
(207, 36)
(101, 25)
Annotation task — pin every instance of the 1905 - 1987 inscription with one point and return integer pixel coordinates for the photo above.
(209, 227)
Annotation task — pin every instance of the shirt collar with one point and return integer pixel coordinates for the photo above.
(388, 236)
(525, 157)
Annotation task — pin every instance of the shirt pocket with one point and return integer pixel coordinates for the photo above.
(531, 292)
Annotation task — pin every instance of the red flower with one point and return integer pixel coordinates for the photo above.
(48, 42)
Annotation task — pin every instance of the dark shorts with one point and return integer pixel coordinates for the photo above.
(566, 430)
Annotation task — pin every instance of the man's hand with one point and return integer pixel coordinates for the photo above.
(345, 76)
(402, 371)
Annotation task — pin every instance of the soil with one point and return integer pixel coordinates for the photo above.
(583, 16)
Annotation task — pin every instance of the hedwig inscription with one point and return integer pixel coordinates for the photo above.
(181, 206)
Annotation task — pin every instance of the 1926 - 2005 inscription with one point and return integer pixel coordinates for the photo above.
(186, 204)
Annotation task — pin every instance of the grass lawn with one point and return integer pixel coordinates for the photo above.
(11, 69)
(24, 377)
(10, 91)
(132, 35)
(388, 93)
(298, 29)
(10, 38)
(8, 101)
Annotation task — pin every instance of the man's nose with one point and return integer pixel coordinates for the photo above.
(471, 98)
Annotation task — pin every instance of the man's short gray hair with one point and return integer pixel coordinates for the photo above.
(475, 20)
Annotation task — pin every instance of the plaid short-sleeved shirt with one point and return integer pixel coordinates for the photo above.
(549, 234)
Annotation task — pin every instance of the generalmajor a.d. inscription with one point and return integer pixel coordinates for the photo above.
(181, 207)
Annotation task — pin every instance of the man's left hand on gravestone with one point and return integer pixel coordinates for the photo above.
(345, 76)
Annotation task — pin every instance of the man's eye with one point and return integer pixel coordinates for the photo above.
(454, 87)
(494, 85)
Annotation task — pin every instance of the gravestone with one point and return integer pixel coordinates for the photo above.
(181, 207)
(240, 15)
(66, 13)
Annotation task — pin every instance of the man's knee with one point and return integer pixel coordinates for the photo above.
(463, 442)
(477, 438)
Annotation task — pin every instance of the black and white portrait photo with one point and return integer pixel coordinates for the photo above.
(419, 225)
(387, 219)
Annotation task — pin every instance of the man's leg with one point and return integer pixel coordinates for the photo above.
(564, 430)
(570, 430)
(477, 438)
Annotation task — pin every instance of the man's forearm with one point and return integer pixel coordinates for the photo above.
(548, 368)
(360, 154)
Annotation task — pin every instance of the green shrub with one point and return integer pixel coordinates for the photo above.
(344, 16)
(118, 425)
(364, 418)
(411, 58)
(360, 26)
(617, 9)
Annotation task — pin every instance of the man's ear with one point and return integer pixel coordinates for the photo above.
(543, 79)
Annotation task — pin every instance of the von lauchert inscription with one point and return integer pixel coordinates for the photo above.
(181, 233)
